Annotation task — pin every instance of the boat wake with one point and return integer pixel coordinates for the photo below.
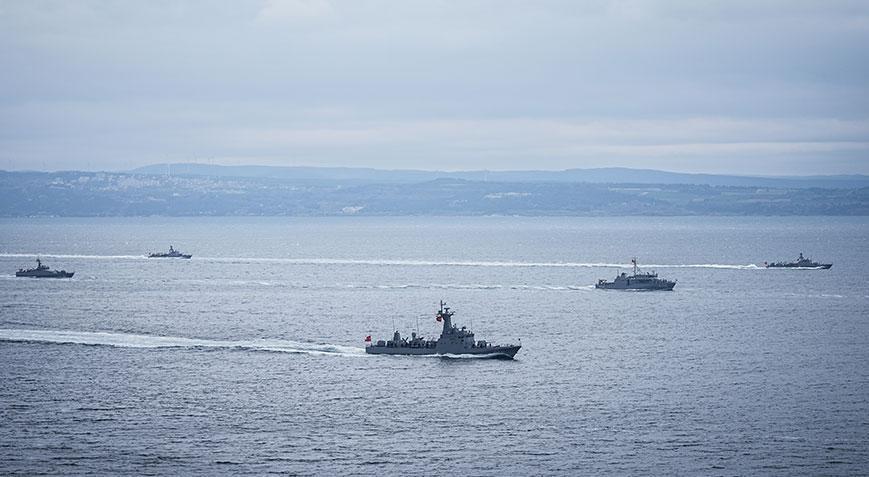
(472, 286)
(123, 340)
(405, 286)
(75, 256)
(451, 263)
(749, 266)
(404, 263)
(815, 296)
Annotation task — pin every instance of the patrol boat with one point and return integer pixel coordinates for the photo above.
(638, 281)
(172, 253)
(43, 271)
(453, 340)
(802, 262)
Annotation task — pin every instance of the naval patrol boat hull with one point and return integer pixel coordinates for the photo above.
(454, 341)
(163, 255)
(821, 266)
(801, 263)
(493, 352)
(50, 274)
(43, 271)
(640, 286)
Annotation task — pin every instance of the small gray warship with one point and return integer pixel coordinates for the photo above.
(172, 253)
(43, 271)
(801, 262)
(638, 281)
(453, 340)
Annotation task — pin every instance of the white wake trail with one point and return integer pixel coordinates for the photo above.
(399, 262)
(124, 340)
(75, 256)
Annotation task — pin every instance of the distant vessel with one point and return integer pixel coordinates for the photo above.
(453, 340)
(172, 253)
(637, 281)
(43, 271)
(802, 262)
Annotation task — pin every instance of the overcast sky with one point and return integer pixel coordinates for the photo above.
(747, 87)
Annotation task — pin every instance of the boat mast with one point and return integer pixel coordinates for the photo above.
(445, 314)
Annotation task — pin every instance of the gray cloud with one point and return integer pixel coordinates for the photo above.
(741, 87)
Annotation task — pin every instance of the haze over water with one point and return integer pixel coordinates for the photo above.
(249, 358)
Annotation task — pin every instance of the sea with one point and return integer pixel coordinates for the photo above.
(249, 358)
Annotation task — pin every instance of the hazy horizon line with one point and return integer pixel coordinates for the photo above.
(447, 171)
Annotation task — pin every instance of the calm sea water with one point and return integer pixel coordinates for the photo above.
(249, 359)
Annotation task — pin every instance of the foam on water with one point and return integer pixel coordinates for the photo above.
(408, 263)
(471, 263)
(405, 286)
(124, 340)
(76, 256)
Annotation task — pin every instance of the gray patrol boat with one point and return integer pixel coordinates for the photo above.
(638, 281)
(43, 271)
(802, 262)
(453, 341)
(172, 253)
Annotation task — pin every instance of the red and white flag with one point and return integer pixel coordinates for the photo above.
(368, 339)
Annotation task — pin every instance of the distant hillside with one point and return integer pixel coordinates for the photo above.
(123, 194)
(613, 175)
